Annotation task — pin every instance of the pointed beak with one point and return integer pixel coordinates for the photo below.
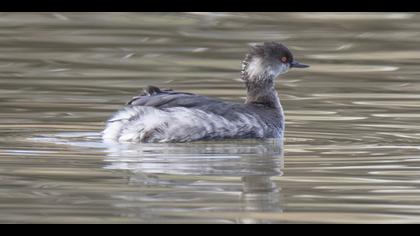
(296, 64)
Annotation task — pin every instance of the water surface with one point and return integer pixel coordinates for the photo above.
(351, 153)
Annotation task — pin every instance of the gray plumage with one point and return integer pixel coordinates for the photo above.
(159, 115)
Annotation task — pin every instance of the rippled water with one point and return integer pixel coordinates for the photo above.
(351, 153)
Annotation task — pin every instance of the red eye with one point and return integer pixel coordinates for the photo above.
(284, 59)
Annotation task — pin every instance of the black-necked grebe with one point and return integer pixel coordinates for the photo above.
(159, 115)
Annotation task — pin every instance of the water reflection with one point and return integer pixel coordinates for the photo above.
(254, 162)
(261, 194)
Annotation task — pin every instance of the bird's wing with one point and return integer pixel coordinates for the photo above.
(165, 98)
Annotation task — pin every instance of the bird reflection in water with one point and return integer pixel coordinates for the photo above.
(207, 167)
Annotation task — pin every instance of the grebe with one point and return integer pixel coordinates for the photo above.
(163, 115)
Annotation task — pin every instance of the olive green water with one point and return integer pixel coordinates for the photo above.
(352, 147)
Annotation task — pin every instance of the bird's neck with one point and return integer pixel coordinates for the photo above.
(262, 91)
